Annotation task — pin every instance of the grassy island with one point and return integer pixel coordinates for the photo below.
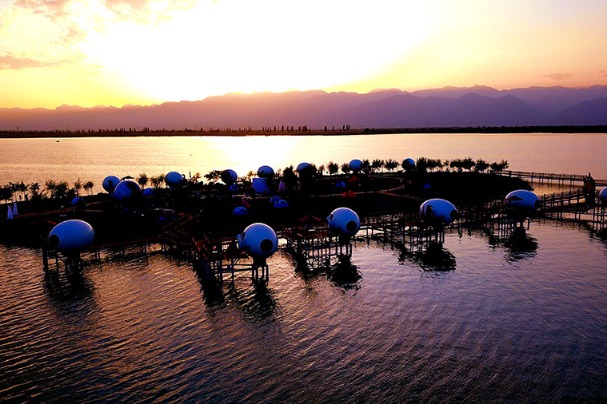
(195, 209)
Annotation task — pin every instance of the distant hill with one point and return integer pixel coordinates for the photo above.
(437, 108)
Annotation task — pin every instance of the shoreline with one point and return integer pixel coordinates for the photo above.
(31, 134)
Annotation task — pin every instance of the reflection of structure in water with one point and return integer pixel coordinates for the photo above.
(343, 273)
(520, 245)
(67, 287)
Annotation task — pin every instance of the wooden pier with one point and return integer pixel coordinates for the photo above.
(215, 258)
(540, 178)
(316, 248)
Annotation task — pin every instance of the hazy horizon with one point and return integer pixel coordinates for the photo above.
(431, 108)
(377, 90)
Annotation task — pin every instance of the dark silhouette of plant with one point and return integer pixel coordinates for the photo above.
(77, 186)
(422, 164)
(213, 175)
(481, 165)
(391, 164)
(468, 163)
(6, 193)
(88, 187)
(142, 180)
(501, 166)
(377, 164)
(34, 188)
(49, 187)
(333, 168)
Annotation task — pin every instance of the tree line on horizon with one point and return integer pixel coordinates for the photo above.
(289, 129)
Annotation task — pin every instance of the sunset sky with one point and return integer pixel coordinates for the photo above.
(117, 52)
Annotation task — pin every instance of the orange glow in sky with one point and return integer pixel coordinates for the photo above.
(117, 52)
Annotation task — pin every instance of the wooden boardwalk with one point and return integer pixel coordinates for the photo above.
(570, 180)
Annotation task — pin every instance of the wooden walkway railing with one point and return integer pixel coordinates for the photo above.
(562, 200)
(549, 178)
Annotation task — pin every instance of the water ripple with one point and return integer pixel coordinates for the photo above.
(493, 329)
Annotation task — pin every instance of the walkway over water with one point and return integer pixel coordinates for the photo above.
(550, 178)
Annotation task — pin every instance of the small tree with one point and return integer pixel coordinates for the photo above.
(433, 164)
(468, 163)
(61, 190)
(391, 164)
(156, 181)
(77, 186)
(35, 191)
(88, 187)
(377, 164)
(49, 187)
(195, 178)
(142, 180)
(213, 175)
(422, 164)
(365, 167)
(457, 164)
(481, 165)
(333, 168)
(501, 166)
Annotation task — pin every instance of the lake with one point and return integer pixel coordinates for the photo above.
(92, 159)
(507, 324)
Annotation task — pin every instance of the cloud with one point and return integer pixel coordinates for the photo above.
(558, 76)
(603, 73)
(50, 8)
(140, 11)
(10, 62)
(146, 11)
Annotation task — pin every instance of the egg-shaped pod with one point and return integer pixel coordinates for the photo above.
(355, 165)
(109, 183)
(229, 176)
(265, 172)
(173, 179)
(603, 196)
(408, 164)
(127, 189)
(523, 202)
(306, 170)
(71, 235)
(258, 240)
(438, 211)
(344, 221)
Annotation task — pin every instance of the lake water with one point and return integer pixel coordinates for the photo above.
(92, 159)
(508, 324)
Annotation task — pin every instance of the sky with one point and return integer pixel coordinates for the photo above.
(143, 52)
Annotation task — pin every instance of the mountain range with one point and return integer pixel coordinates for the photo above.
(447, 107)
